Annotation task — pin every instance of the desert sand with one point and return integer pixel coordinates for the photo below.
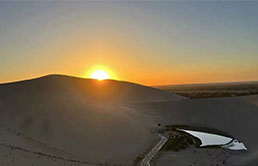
(67, 120)
(196, 157)
(232, 115)
(252, 99)
(87, 118)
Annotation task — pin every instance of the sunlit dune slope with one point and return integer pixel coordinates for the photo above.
(88, 118)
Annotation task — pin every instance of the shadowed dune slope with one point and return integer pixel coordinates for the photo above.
(87, 89)
(88, 118)
(112, 121)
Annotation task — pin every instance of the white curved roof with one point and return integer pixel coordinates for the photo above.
(208, 138)
(214, 139)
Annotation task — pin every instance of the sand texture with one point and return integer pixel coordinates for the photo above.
(62, 120)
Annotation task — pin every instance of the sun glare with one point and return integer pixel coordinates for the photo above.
(100, 75)
(100, 72)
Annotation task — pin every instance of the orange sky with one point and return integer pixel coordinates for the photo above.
(147, 43)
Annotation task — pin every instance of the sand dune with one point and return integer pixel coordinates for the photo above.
(253, 99)
(110, 121)
(87, 118)
(17, 148)
(89, 90)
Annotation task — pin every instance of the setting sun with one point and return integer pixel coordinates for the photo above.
(100, 72)
(100, 75)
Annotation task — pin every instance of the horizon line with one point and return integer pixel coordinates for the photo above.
(157, 85)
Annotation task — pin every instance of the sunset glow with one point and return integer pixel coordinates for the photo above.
(200, 46)
(100, 72)
(100, 75)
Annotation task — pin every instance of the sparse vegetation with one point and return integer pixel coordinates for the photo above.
(175, 144)
(196, 95)
(215, 90)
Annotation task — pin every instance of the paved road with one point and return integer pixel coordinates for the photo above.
(154, 151)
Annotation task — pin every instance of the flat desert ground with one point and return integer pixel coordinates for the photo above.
(63, 120)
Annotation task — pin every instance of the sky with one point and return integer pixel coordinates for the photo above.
(147, 42)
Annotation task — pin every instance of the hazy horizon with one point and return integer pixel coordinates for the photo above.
(148, 43)
(153, 85)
